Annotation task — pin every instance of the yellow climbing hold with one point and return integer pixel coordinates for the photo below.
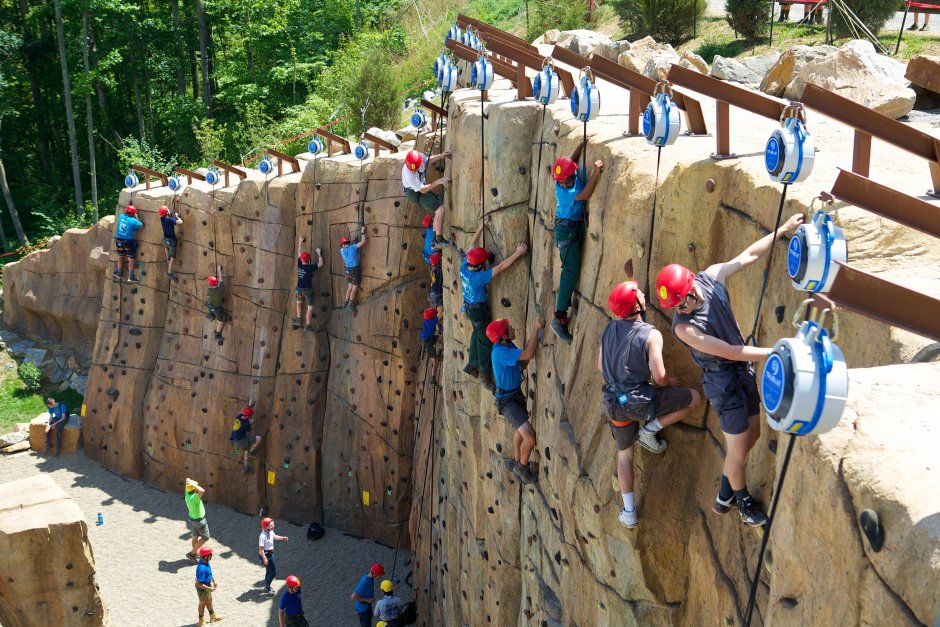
(270, 477)
(365, 498)
(83, 410)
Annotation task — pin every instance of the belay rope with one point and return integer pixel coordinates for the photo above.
(770, 257)
(482, 176)
(649, 251)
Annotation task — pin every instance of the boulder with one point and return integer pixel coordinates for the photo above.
(388, 136)
(924, 71)
(641, 52)
(789, 64)
(760, 64)
(692, 61)
(18, 348)
(548, 37)
(613, 50)
(583, 41)
(40, 358)
(13, 438)
(733, 71)
(71, 434)
(855, 71)
(79, 383)
(46, 558)
(657, 66)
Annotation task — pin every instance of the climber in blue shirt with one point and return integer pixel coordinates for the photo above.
(124, 243)
(349, 251)
(429, 338)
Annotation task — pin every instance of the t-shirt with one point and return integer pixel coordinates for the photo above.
(168, 223)
(350, 255)
(204, 573)
(506, 369)
(241, 428)
(714, 318)
(474, 283)
(57, 412)
(568, 208)
(429, 328)
(195, 505)
(305, 274)
(428, 240)
(365, 589)
(214, 294)
(437, 280)
(388, 608)
(126, 227)
(291, 604)
(414, 180)
(266, 540)
(625, 355)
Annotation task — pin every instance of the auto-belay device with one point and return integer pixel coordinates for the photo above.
(805, 382)
(213, 176)
(790, 153)
(439, 64)
(469, 38)
(454, 32)
(546, 85)
(585, 98)
(448, 77)
(481, 73)
(419, 119)
(361, 151)
(661, 118)
(266, 165)
(315, 146)
(813, 252)
(131, 180)
(176, 183)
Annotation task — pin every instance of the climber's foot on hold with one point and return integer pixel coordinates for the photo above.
(116, 274)
(751, 515)
(525, 474)
(472, 371)
(352, 307)
(721, 506)
(628, 519)
(295, 323)
(219, 338)
(132, 278)
(511, 464)
(308, 328)
(486, 380)
(560, 328)
(246, 468)
(441, 244)
(171, 276)
(650, 442)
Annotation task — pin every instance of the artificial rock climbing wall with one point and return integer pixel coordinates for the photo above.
(490, 551)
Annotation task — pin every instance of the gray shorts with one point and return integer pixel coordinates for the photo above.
(666, 400)
(512, 408)
(305, 293)
(735, 398)
(353, 275)
(199, 528)
(170, 244)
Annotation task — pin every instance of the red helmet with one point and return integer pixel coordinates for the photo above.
(305, 257)
(413, 160)
(164, 211)
(563, 168)
(476, 256)
(205, 551)
(436, 259)
(292, 581)
(377, 569)
(213, 281)
(623, 298)
(497, 329)
(427, 221)
(430, 313)
(131, 210)
(673, 284)
(265, 522)
(248, 412)
(344, 240)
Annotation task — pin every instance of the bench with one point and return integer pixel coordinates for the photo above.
(919, 7)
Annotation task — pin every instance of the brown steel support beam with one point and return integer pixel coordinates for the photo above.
(500, 68)
(378, 141)
(883, 300)
(638, 102)
(280, 156)
(147, 172)
(435, 112)
(331, 138)
(861, 153)
(189, 174)
(723, 134)
(229, 169)
(482, 27)
(529, 59)
(888, 202)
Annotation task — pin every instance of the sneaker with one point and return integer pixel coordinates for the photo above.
(132, 278)
(486, 380)
(308, 328)
(219, 338)
(627, 519)
(524, 474)
(116, 274)
(924, 27)
(560, 328)
(723, 507)
(751, 513)
(202, 621)
(191, 558)
(268, 591)
(295, 324)
(441, 244)
(215, 618)
(913, 26)
(650, 442)
(171, 276)
(510, 464)
(353, 308)
(472, 371)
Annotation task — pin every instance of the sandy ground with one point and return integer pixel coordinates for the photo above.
(145, 578)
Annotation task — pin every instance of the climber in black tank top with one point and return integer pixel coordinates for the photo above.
(705, 323)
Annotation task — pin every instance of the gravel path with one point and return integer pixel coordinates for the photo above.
(146, 580)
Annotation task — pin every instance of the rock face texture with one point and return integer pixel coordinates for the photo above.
(924, 71)
(46, 559)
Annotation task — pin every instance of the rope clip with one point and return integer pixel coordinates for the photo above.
(806, 311)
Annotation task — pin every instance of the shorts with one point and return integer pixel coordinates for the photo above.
(170, 243)
(428, 200)
(199, 528)
(430, 347)
(295, 621)
(666, 400)
(353, 275)
(243, 443)
(305, 293)
(734, 396)
(217, 313)
(205, 596)
(513, 409)
(126, 247)
(436, 299)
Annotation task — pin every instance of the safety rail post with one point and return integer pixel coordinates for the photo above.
(379, 142)
(148, 172)
(435, 112)
(886, 201)
(280, 156)
(189, 174)
(229, 169)
(331, 138)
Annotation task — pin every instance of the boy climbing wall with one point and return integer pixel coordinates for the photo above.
(169, 222)
(124, 242)
(304, 291)
(429, 338)
(413, 175)
(215, 292)
(349, 251)
(436, 291)
(244, 442)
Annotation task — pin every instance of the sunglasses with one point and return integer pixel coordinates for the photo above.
(684, 303)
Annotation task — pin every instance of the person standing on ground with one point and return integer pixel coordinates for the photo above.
(429, 338)
(413, 175)
(473, 279)
(631, 355)
(436, 291)
(510, 401)
(388, 608)
(169, 223)
(242, 439)
(58, 418)
(572, 191)
(706, 324)
(197, 517)
(364, 595)
(215, 293)
(266, 552)
(205, 585)
(304, 291)
(349, 251)
(916, 18)
(124, 242)
(290, 612)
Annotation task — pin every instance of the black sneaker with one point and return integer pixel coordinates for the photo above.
(295, 324)
(751, 513)
(723, 507)
(525, 474)
(171, 276)
(353, 308)
(472, 371)
(192, 558)
(132, 278)
(560, 328)
(116, 274)
(308, 328)
(511, 464)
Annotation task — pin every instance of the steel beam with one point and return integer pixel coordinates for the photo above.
(482, 27)
(470, 55)
(529, 59)
(281, 157)
(888, 202)
(379, 142)
(229, 169)
(332, 138)
(436, 112)
(148, 172)
(189, 174)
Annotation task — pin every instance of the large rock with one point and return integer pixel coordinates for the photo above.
(613, 50)
(855, 71)
(658, 65)
(760, 64)
(924, 71)
(734, 71)
(789, 65)
(641, 54)
(386, 135)
(692, 61)
(46, 559)
(584, 42)
(548, 37)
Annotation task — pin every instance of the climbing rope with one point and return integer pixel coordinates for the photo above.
(751, 339)
(363, 190)
(482, 175)
(649, 250)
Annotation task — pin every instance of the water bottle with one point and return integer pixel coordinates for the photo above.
(100, 520)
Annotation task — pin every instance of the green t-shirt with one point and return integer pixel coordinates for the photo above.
(214, 295)
(194, 502)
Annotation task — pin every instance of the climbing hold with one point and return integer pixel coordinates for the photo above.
(790, 153)
(779, 313)
(134, 331)
(661, 117)
(872, 529)
(813, 252)
(710, 186)
(585, 98)
(545, 85)
(628, 268)
(494, 191)
(505, 302)
(131, 180)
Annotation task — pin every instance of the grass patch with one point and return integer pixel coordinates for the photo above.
(19, 405)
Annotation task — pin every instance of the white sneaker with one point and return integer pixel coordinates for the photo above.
(628, 519)
(650, 442)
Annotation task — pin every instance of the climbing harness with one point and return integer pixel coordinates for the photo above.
(813, 252)
(546, 84)
(804, 388)
(790, 154)
(661, 117)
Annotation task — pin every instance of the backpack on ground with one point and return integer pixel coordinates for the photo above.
(315, 531)
(409, 614)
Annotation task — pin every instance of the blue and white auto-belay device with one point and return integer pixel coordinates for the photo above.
(661, 117)
(805, 382)
(545, 85)
(361, 150)
(315, 146)
(213, 177)
(813, 252)
(131, 180)
(790, 153)
(419, 119)
(176, 183)
(585, 98)
(266, 165)
(481, 73)
(447, 77)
